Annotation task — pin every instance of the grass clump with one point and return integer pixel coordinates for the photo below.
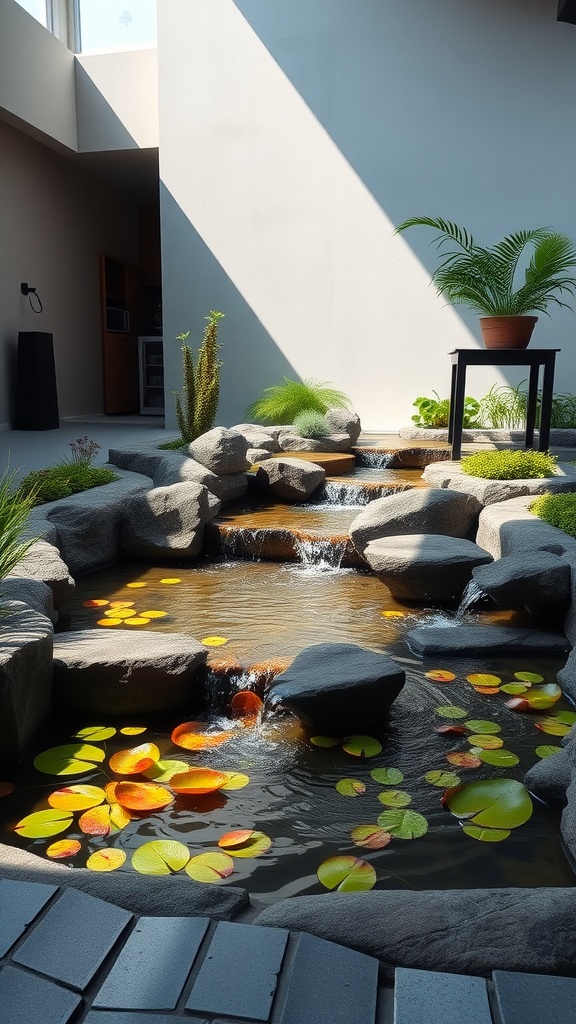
(510, 464)
(557, 510)
(284, 402)
(177, 444)
(61, 481)
(15, 507)
(311, 424)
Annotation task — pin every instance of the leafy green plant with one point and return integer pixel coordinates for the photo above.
(485, 279)
(311, 424)
(284, 402)
(15, 507)
(563, 412)
(55, 482)
(435, 412)
(197, 403)
(503, 406)
(509, 464)
(557, 510)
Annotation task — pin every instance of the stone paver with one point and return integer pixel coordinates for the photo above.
(331, 983)
(20, 903)
(28, 999)
(437, 998)
(534, 998)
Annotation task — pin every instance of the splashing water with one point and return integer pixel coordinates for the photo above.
(374, 459)
(320, 554)
(472, 594)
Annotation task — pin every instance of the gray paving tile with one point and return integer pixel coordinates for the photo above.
(73, 938)
(27, 999)
(20, 903)
(239, 975)
(439, 998)
(152, 968)
(534, 998)
(330, 983)
(121, 1017)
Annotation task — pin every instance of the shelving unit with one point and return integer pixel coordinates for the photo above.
(151, 362)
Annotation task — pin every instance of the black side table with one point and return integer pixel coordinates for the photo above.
(532, 357)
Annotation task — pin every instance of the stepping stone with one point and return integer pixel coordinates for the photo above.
(533, 998)
(425, 567)
(20, 903)
(22, 994)
(438, 998)
(416, 511)
(532, 577)
(330, 983)
(288, 479)
(474, 640)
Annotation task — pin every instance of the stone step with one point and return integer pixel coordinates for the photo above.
(431, 997)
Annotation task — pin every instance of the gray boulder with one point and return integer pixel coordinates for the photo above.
(259, 437)
(125, 672)
(480, 640)
(344, 421)
(425, 567)
(42, 562)
(290, 441)
(567, 676)
(549, 778)
(33, 593)
(338, 687)
(508, 528)
(418, 510)
(451, 474)
(167, 522)
(220, 450)
(25, 675)
(257, 455)
(535, 578)
(467, 931)
(568, 820)
(289, 479)
(169, 896)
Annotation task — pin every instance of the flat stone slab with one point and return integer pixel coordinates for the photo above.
(438, 998)
(534, 998)
(425, 567)
(26, 638)
(509, 528)
(123, 672)
(474, 640)
(451, 475)
(533, 577)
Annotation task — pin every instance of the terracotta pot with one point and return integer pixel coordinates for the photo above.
(507, 331)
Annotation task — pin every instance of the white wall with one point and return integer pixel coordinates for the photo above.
(294, 136)
(117, 100)
(55, 220)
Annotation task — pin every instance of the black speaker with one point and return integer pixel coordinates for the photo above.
(36, 394)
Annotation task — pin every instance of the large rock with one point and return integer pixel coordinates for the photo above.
(25, 675)
(259, 437)
(338, 687)
(172, 467)
(167, 522)
(567, 676)
(416, 511)
(33, 593)
(289, 479)
(42, 562)
(465, 931)
(220, 450)
(290, 441)
(344, 421)
(451, 474)
(425, 567)
(534, 578)
(481, 640)
(169, 896)
(549, 778)
(125, 672)
(568, 820)
(508, 528)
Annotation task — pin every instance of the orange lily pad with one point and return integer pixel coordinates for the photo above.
(76, 798)
(463, 759)
(190, 736)
(99, 821)
(210, 867)
(107, 859)
(440, 675)
(135, 760)
(196, 781)
(450, 730)
(95, 602)
(63, 848)
(142, 796)
(487, 690)
(370, 836)
(347, 874)
(245, 843)
(109, 622)
(246, 704)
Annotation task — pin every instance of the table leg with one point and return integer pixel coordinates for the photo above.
(457, 413)
(452, 397)
(531, 407)
(546, 406)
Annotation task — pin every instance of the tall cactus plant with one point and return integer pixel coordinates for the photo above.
(197, 402)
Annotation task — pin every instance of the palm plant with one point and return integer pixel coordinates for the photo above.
(485, 278)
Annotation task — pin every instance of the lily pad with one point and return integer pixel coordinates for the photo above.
(487, 690)
(403, 824)
(442, 779)
(101, 821)
(163, 771)
(450, 730)
(483, 726)
(109, 622)
(160, 857)
(564, 717)
(529, 677)
(463, 759)
(196, 781)
(69, 759)
(6, 788)
(324, 741)
(491, 803)
(170, 580)
(486, 742)
(135, 760)
(450, 711)
(537, 698)
(246, 704)
(370, 836)
(95, 602)
(440, 675)
(347, 874)
(191, 736)
(514, 688)
(390, 613)
(394, 798)
(350, 787)
(499, 758)
(106, 860)
(138, 620)
(547, 750)
(486, 835)
(76, 798)
(483, 679)
(142, 796)
(552, 727)
(245, 843)
(133, 730)
(387, 776)
(63, 848)
(136, 586)
(42, 824)
(214, 641)
(94, 733)
(210, 867)
(234, 780)
(154, 614)
(361, 746)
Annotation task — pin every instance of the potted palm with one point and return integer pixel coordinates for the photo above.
(485, 278)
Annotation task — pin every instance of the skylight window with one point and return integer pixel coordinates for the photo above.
(115, 24)
(37, 8)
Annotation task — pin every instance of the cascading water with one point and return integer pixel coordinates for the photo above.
(320, 554)
(471, 596)
(335, 494)
(373, 459)
(240, 542)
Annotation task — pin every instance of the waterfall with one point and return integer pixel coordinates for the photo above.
(238, 542)
(373, 459)
(472, 594)
(333, 494)
(320, 554)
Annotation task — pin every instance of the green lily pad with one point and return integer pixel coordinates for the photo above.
(491, 803)
(529, 677)
(564, 717)
(483, 726)
(547, 750)
(483, 679)
(347, 874)
(42, 824)
(324, 741)
(69, 759)
(163, 771)
(499, 758)
(442, 779)
(210, 867)
(94, 733)
(450, 711)
(370, 836)
(394, 798)
(387, 776)
(486, 742)
(361, 746)
(160, 857)
(486, 835)
(514, 688)
(537, 698)
(552, 727)
(350, 787)
(403, 824)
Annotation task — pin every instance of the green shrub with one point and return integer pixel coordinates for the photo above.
(284, 402)
(311, 424)
(435, 412)
(15, 506)
(176, 444)
(563, 412)
(42, 485)
(197, 404)
(509, 465)
(557, 510)
(503, 407)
